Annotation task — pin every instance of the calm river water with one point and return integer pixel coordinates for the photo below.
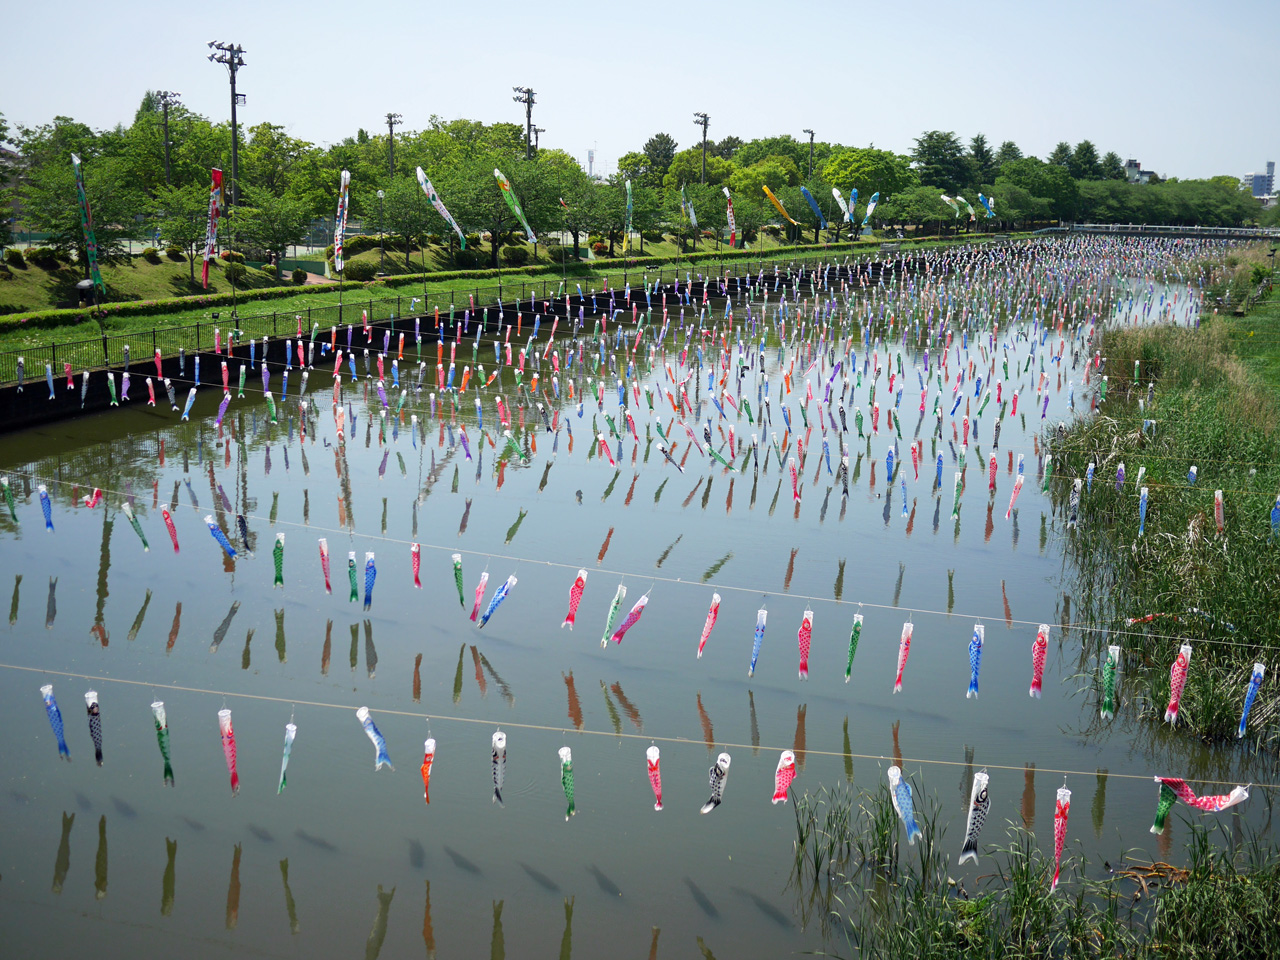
(110, 862)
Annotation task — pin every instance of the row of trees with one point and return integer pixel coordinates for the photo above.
(286, 182)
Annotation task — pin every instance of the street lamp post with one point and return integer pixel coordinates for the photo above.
(536, 131)
(393, 120)
(231, 55)
(526, 96)
(702, 120)
(382, 253)
(167, 99)
(810, 133)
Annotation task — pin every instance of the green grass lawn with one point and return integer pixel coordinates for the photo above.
(35, 288)
(1256, 338)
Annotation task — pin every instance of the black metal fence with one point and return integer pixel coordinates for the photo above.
(112, 350)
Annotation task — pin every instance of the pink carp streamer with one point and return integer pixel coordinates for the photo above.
(803, 637)
(1017, 489)
(1207, 804)
(1060, 810)
(324, 564)
(783, 776)
(575, 598)
(710, 624)
(653, 759)
(904, 649)
(631, 620)
(229, 747)
(1039, 649)
(1177, 680)
(416, 554)
(480, 588)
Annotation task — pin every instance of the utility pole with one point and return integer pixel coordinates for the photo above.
(526, 97)
(231, 56)
(167, 99)
(701, 120)
(393, 119)
(810, 133)
(536, 131)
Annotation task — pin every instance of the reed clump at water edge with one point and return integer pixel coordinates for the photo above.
(879, 899)
(1177, 399)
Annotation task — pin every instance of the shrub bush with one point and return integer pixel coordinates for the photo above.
(13, 257)
(173, 253)
(360, 270)
(600, 248)
(516, 256)
(652, 236)
(299, 277)
(233, 256)
(235, 272)
(43, 257)
(151, 254)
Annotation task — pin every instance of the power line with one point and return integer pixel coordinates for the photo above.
(563, 729)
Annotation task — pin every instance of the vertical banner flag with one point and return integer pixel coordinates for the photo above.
(509, 195)
(844, 207)
(626, 238)
(340, 220)
(86, 222)
(733, 227)
(211, 230)
(436, 202)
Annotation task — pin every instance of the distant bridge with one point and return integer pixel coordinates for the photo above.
(1162, 230)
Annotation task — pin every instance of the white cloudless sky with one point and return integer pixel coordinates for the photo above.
(1187, 88)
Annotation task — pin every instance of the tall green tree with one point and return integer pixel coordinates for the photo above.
(1112, 166)
(1085, 164)
(181, 214)
(1051, 182)
(939, 159)
(686, 167)
(1061, 155)
(982, 161)
(270, 222)
(870, 171)
(1008, 152)
(661, 150)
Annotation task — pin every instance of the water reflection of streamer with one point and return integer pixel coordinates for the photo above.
(370, 653)
(233, 891)
(755, 726)
(428, 932)
(142, 613)
(653, 944)
(244, 657)
(327, 650)
(280, 645)
(373, 946)
(848, 753)
(104, 565)
(13, 604)
(575, 705)
(457, 677)
(417, 678)
(566, 941)
(174, 627)
(1099, 808)
(290, 907)
(100, 862)
(708, 734)
(62, 862)
(220, 633)
(51, 607)
(497, 943)
(633, 714)
(614, 718)
(167, 882)
(800, 738)
(1029, 796)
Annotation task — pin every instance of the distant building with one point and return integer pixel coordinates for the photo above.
(1134, 173)
(1260, 185)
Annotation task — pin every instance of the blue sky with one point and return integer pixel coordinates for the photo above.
(1183, 87)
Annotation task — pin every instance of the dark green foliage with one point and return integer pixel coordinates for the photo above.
(516, 256)
(359, 270)
(299, 277)
(13, 257)
(43, 257)
(151, 254)
(173, 253)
